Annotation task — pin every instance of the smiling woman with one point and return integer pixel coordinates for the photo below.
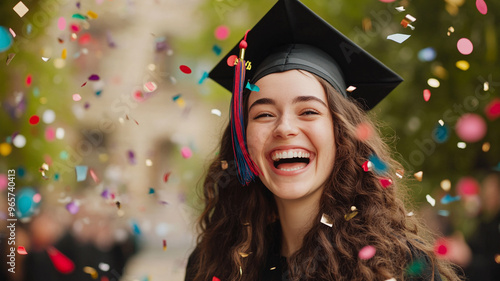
(299, 201)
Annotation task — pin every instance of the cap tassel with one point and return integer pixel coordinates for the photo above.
(247, 169)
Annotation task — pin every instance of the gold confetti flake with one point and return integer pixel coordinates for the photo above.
(486, 147)
(243, 255)
(451, 29)
(446, 184)
(273, 268)
(352, 214)
(92, 15)
(419, 175)
(326, 220)
(400, 173)
(89, 270)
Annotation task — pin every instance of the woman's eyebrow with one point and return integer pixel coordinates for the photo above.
(262, 101)
(308, 98)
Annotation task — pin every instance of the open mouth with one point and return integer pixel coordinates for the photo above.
(290, 160)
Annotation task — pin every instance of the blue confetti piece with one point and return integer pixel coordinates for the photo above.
(136, 229)
(441, 133)
(176, 97)
(56, 176)
(444, 213)
(217, 50)
(447, 199)
(36, 92)
(81, 173)
(252, 87)
(203, 77)
(29, 28)
(379, 166)
(21, 171)
(98, 93)
(427, 54)
(151, 190)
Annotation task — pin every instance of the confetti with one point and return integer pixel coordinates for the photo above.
(48, 116)
(445, 184)
(81, 173)
(10, 57)
(135, 228)
(465, 46)
(497, 258)
(19, 141)
(482, 7)
(103, 266)
(78, 16)
(64, 53)
(441, 133)
(252, 87)
(45, 59)
(387, 1)
(326, 220)
(427, 95)
(415, 268)
(215, 279)
(20, 9)
(217, 50)
(379, 166)
(451, 29)
(400, 173)
(367, 252)
(427, 54)
(61, 262)
(433, 82)
(204, 76)
(485, 147)
(352, 214)
(166, 176)
(462, 65)
(94, 77)
(73, 207)
(61, 23)
(492, 109)
(34, 120)
(29, 79)
(90, 270)
(431, 200)
(76, 97)
(216, 112)
(151, 190)
(231, 60)
(407, 20)
(92, 15)
(461, 145)
(418, 175)
(5, 149)
(186, 152)
(37, 198)
(6, 41)
(385, 182)
(467, 186)
(131, 157)
(444, 213)
(351, 89)
(400, 9)
(392, 279)
(470, 127)
(164, 245)
(447, 199)
(441, 247)
(364, 131)
(243, 255)
(185, 69)
(94, 176)
(398, 37)
(21, 250)
(222, 32)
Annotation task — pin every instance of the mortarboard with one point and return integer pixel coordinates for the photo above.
(291, 36)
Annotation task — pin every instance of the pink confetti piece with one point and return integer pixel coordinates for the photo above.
(61, 262)
(465, 46)
(72, 207)
(37, 198)
(94, 77)
(21, 250)
(427, 94)
(29, 79)
(441, 247)
(12, 32)
(363, 131)
(185, 69)
(77, 97)
(482, 7)
(61, 23)
(94, 176)
(215, 279)
(186, 152)
(367, 252)
(492, 109)
(50, 134)
(222, 32)
(385, 182)
(74, 28)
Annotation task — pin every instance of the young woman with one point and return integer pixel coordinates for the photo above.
(312, 209)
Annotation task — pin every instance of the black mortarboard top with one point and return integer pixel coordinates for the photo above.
(289, 36)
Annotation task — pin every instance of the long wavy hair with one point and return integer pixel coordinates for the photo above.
(235, 237)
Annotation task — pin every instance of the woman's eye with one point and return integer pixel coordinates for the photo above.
(309, 112)
(262, 115)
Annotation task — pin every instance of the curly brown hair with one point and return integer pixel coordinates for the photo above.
(236, 219)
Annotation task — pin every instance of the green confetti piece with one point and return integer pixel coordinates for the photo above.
(79, 16)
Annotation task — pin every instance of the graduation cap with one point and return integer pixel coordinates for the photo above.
(291, 36)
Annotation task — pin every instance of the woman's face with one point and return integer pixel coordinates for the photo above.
(290, 134)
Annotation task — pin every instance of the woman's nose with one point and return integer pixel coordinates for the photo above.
(285, 127)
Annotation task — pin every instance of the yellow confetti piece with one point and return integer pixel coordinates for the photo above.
(64, 53)
(446, 184)
(91, 271)
(462, 65)
(352, 214)
(243, 255)
(180, 102)
(486, 147)
(5, 149)
(272, 268)
(419, 175)
(92, 14)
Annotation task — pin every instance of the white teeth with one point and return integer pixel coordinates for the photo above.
(293, 169)
(295, 154)
(289, 154)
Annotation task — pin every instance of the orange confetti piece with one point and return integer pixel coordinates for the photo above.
(92, 14)
(64, 53)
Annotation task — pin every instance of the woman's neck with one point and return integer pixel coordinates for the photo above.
(296, 219)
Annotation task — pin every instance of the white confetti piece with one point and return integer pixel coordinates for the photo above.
(398, 37)
(216, 112)
(20, 9)
(431, 200)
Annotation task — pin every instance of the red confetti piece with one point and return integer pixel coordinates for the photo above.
(385, 182)
(427, 94)
(84, 84)
(441, 247)
(34, 119)
(185, 69)
(215, 279)
(75, 28)
(367, 252)
(29, 79)
(492, 110)
(482, 7)
(85, 39)
(363, 131)
(61, 262)
(222, 32)
(21, 250)
(367, 166)
(231, 60)
(94, 77)
(166, 176)
(104, 278)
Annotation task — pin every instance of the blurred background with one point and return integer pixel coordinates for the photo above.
(108, 123)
